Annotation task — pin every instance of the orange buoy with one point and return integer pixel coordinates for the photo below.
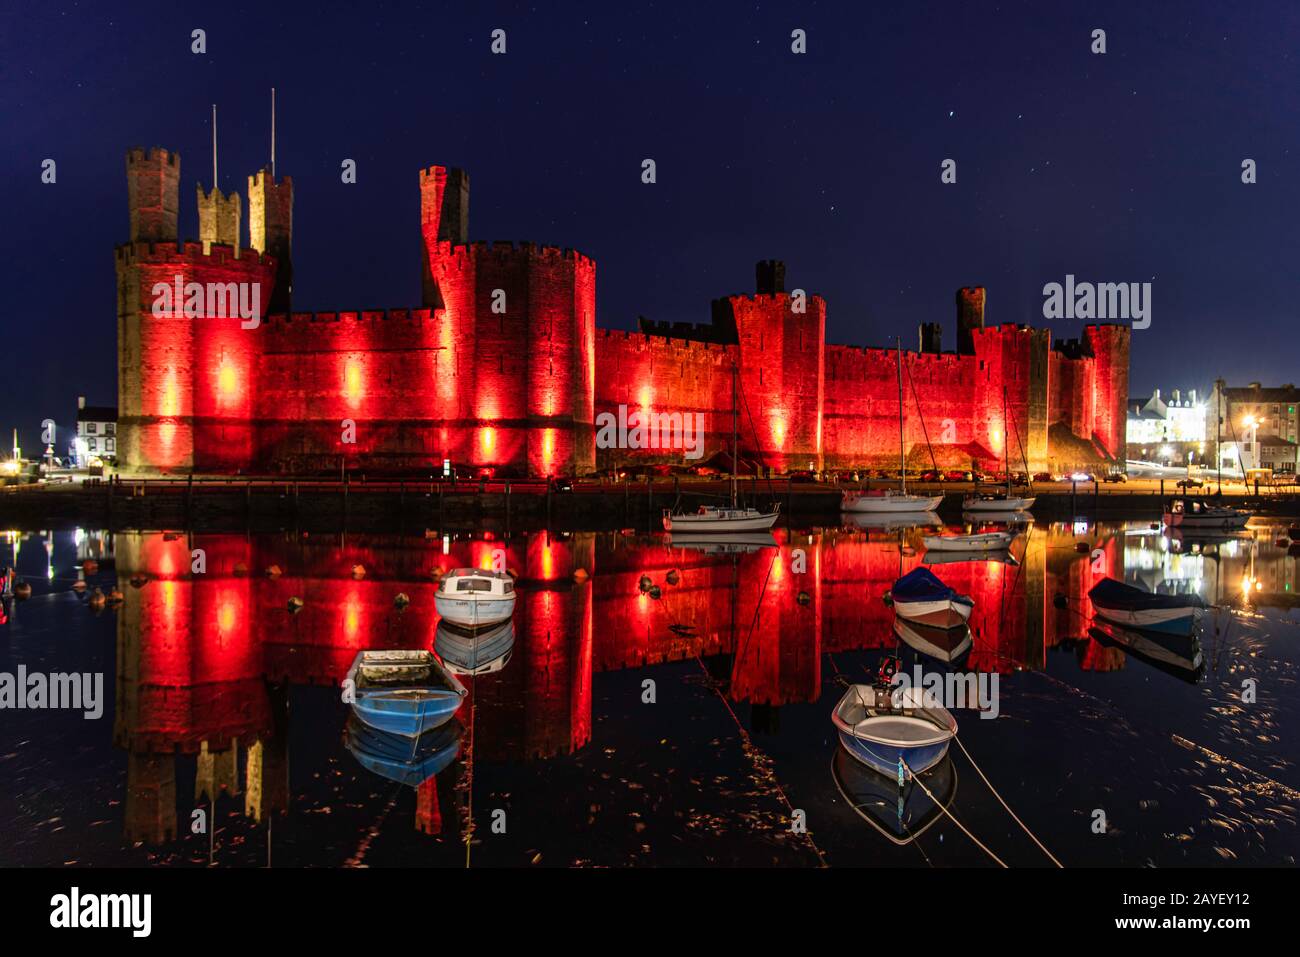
(23, 591)
(90, 566)
(358, 571)
(580, 574)
(295, 605)
(401, 600)
(96, 599)
(273, 571)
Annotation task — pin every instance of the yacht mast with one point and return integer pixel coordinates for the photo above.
(1006, 442)
(735, 458)
(902, 458)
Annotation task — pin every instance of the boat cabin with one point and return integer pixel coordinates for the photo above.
(470, 581)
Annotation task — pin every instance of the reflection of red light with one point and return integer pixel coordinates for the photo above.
(226, 617)
(487, 439)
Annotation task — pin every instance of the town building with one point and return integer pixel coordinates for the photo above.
(96, 433)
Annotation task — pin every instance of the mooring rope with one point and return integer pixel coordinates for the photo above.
(1004, 804)
(937, 803)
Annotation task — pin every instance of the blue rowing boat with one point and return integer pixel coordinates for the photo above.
(1132, 607)
(403, 692)
(877, 733)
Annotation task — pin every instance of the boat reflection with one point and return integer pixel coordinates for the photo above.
(942, 644)
(469, 651)
(900, 817)
(1176, 655)
(409, 761)
(724, 543)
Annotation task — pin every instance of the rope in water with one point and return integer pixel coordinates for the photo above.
(1004, 803)
(937, 803)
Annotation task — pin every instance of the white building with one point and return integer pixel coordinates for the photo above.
(96, 432)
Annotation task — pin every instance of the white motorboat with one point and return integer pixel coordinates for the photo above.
(889, 501)
(1193, 513)
(882, 735)
(475, 598)
(719, 519)
(978, 542)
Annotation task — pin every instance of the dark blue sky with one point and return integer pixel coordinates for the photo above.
(1116, 168)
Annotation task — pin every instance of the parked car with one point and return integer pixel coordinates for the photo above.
(1043, 477)
(960, 475)
(1190, 482)
(931, 475)
(1119, 477)
(564, 484)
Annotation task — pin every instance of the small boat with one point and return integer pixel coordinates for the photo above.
(1134, 608)
(409, 761)
(878, 734)
(403, 692)
(875, 797)
(1191, 513)
(474, 597)
(1175, 655)
(996, 502)
(942, 644)
(978, 542)
(720, 519)
(921, 597)
(887, 502)
(736, 543)
(474, 651)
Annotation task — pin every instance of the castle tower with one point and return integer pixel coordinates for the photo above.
(770, 276)
(444, 218)
(219, 218)
(970, 316)
(1110, 348)
(270, 230)
(153, 194)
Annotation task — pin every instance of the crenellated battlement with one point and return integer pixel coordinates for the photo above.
(414, 316)
(188, 253)
(460, 254)
(153, 156)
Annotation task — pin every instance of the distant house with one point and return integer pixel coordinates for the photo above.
(96, 431)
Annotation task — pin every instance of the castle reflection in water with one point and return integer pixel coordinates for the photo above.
(205, 662)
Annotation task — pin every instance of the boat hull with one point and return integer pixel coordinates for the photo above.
(469, 613)
(875, 797)
(888, 504)
(1215, 521)
(1167, 621)
(943, 613)
(942, 644)
(884, 757)
(694, 524)
(995, 505)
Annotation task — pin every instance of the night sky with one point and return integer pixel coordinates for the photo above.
(1122, 167)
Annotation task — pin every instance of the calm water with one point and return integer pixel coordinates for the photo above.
(219, 699)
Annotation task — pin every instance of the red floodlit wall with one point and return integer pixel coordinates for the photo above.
(504, 366)
(1110, 349)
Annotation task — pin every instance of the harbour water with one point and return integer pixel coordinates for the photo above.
(651, 703)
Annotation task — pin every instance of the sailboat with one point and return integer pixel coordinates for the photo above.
(890, 500)
(716, 519)
(1002, 501)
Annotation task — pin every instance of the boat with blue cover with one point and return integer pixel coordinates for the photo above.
(921, 597)
(410, 761)
(404, 692)
(1134, 608)
(878, 732)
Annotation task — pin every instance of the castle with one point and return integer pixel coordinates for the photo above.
(503, 364)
